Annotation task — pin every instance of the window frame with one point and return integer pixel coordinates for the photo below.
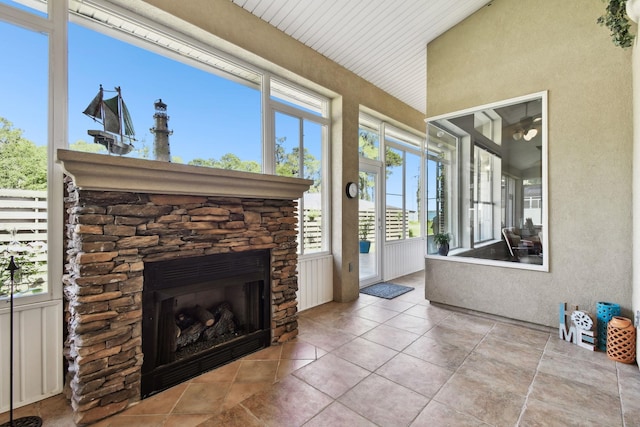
(392, 136)
(447, 122)
(54, 24)
(275, 106)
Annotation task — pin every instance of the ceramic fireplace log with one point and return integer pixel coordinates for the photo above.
(203, 315)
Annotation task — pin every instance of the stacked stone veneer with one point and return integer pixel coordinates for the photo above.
(109, 238)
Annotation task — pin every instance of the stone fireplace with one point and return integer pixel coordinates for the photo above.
(202, 312)
(149, 243)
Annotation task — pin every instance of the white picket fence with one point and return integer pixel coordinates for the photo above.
(37, 326)
(25, 212)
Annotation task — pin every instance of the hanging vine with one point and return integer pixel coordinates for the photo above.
(616, 19)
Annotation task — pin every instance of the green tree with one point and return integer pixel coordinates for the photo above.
(88, 147)
(23, 164)
(368, 146)
(288, 164)
(228, 161)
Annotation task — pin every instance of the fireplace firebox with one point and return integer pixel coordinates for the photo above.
(202, 312)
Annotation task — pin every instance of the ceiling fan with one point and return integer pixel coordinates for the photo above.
(527, 128)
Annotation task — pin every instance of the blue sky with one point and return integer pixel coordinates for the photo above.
(210, 115)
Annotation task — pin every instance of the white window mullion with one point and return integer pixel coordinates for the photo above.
(268, 128)
(58, 123)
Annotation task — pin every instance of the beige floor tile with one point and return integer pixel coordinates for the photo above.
(490, 404)
(290, 402)
(393, 304)
(351, 324)
(436, 352)
(223, 373)
(257, 371)
(631, 418)
(409, 323)
(161, 403)
(377, 314)
(416, 296)
(384, 402)
(202, 398)
(495, 373)
(364, 353)
(508, 351)
(288, 366)
(590, 374)
(238, 416)
(134, 420)
(391, 337)
(429, 312)
(338, 415)
(321, 336)
(31, 410)
(629, 380)
(576, 397)
(462, 338)
(556, 345)
(297, 349)
(475, 324)
(520, 334)
(270, 353)
(183, 420)
(437, 414)
(241, 391)
(415, 374)
(332, 375)
(539, 413)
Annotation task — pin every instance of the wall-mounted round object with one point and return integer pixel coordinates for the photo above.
(352, 190)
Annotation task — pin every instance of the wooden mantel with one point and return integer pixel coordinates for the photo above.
(113, 173)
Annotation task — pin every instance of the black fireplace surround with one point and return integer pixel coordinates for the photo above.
(238, 285)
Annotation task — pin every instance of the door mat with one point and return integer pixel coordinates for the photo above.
(386, 290)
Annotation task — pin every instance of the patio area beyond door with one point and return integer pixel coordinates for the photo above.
(369, 225)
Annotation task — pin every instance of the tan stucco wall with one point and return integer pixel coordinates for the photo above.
(236, 31)
(517, 47)
(634, 8)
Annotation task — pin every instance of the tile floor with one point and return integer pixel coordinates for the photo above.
(400, 362)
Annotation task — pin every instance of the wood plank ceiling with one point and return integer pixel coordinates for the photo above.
(382, 41)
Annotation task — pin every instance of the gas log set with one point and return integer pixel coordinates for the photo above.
(203, 328)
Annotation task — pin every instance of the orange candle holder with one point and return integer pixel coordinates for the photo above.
(621, 340)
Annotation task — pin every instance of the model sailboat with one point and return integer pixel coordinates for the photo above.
(114, 116)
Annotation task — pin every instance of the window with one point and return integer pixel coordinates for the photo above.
(442, 186)
(300, 141)
(369, 138)
(508, 208)
(213, 104)
(37, 7)
(402, 186)
(24, 152)
(403, 169)
(486, 182)
(483, 198)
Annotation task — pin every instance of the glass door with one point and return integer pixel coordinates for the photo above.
(369, 224)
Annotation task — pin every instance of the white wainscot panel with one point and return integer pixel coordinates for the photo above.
(37, 340)
(315, 281)
(403, 257)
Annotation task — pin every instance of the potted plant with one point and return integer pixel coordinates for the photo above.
(615, 18)
(441, 240)
(364, 228)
